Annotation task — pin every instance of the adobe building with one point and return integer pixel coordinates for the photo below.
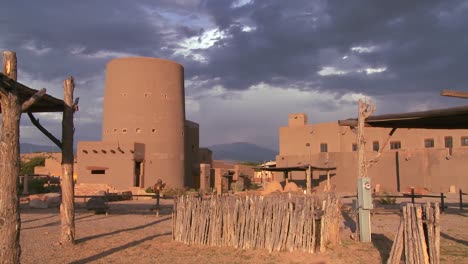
(434, 159)
(145, 136)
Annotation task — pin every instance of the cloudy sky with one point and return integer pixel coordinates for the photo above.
(247, 63)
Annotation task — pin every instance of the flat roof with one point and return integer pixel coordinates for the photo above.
(447, 118)
(295, 168)
(46, 103)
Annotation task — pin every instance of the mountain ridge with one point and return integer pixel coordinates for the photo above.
(242, 151)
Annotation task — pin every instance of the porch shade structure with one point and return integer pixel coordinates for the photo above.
(46, 103)
(15, 99)
(447, 118)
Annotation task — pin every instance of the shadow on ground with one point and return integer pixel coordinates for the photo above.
(117, 249)
(84, 239)
(383, 244)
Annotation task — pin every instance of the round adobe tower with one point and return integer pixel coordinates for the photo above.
(144, 103)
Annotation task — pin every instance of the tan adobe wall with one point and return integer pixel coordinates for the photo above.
(143, 102)
(192, 163)
(297, 120)
(205, 155)
(417, 166)
(116, 159)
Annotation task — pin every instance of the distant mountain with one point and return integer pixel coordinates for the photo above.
(32, 148)
(242, 151)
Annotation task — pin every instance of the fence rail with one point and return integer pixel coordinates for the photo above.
(413, 197)
(461, 193)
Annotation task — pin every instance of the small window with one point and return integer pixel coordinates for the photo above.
(138, 130)
(354, 147)
(85, 151)
(124, 131)
(448, 142)
(153, 130)
(429, 143)
(375, 146)
(98, 171)
(395, 145)
(464, 141)
(323, 147)
(95, 151)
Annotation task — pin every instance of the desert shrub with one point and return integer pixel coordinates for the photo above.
(149, 190)
(172, 192)
(387, 200)
(237, 186)
(254, 186)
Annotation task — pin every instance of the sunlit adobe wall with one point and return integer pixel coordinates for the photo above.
(144, 103)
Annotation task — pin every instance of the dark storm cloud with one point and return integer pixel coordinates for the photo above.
(68, 36)
(421, 44)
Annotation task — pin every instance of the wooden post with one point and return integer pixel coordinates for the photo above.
(461, 199)
(67, 207)
(442, 202)
(25, 184)
(10, 222)
(364, 111)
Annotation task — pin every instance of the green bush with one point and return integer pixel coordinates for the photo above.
(27, 168)
(36, 185)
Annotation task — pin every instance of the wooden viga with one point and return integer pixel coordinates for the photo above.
(276, 223)
(418, 237)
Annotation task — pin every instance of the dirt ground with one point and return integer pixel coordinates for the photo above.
(131, 233)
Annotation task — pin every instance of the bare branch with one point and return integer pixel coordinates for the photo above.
(36, 97)
(44, 131)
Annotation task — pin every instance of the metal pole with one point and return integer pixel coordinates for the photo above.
(412, 195)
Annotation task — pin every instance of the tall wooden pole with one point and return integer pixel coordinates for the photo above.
(10, 222)
(364, 187)
(67, 208)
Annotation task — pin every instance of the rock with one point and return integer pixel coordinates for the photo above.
(37, 203)
(126, 195)
(291, 187)
(272, 187)
(53, 200)
(101, 193)
(98, 204)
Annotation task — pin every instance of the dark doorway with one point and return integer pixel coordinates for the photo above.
(136, 177)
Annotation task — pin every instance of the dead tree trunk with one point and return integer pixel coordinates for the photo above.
(10, 223)
(365, 110)
(67, 208)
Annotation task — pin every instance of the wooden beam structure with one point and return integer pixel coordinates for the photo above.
(67, 207)
(452, 93)
(448, 118)
(16, 98)
(12, 102)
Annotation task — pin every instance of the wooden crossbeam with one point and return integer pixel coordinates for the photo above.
(452, 93)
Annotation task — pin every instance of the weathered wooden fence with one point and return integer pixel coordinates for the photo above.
(418, 235)
(279, 222)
